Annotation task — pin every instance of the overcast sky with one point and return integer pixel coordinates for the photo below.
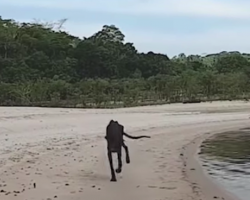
(163, 26)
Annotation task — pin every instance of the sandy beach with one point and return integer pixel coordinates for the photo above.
(53, 153)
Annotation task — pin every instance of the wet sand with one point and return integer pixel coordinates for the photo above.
(52, 153)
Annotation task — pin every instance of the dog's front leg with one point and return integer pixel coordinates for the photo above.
(119, 157)
(113, 177)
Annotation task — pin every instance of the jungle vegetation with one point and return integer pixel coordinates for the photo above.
(41, 65)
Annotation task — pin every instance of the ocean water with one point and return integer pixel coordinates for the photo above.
(226, 158)
(234, 177)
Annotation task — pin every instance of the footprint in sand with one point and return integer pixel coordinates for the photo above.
(168, 188)
(151, 186)
(162, 188)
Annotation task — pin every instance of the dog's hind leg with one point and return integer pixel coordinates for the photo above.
(119, 157)
(127, 153)
(113, 177)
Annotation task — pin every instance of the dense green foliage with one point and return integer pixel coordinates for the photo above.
(40, 65)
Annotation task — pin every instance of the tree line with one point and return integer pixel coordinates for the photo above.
(42, 65)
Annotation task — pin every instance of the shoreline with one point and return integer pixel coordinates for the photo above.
(74, 105)
(203, 185)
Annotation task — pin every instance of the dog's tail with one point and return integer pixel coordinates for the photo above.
(135, 137)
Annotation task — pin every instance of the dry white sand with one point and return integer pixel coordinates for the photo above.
(63, 151)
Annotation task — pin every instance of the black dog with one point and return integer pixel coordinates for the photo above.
(115, 142)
